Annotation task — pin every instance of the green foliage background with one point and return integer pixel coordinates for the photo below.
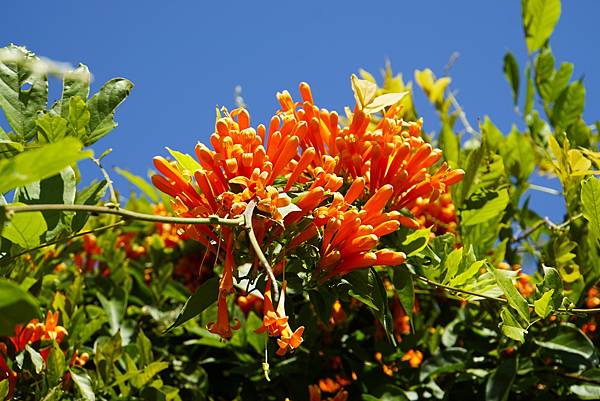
(145, 330)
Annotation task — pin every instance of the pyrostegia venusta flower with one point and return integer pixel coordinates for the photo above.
(311, 177)
(275, 322)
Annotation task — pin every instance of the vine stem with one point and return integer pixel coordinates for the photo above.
(546, 222)
(256, 246)
(9, 209)
(496, 299)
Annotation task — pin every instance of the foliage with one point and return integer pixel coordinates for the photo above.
(385, 261)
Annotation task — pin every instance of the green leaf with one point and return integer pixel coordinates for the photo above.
(4, 389)
(404, 285)
(568, 338)
(469, 273)
(511, 72)
(79, 117)
(539, 19)
(543, 306)
(84, 384)
(586, 391)
(56, 364)
(115, 309)
(140, 183)
(484, 205)
(36, 359)
(22, 93)
(452, 264)
(416, 241)
(75, 83)
(569, 106)
(25, 229)
(450, 145)
(204, 296)
(141, 378)
(473, 163)
(445, 361)
(102, 108)
(90, 195)
(145, 347)
(58, 189)
(553, 281)
(514, 298)
(561, 80)
(499, 383)
(16, 307)
(518, 154)
(364, 91)
(511, 327)
(383, 101)
(8, 147)
(51, 128)
(185, 161)
(590, 199)
(544, 74)
(40, 163)
(529, 92)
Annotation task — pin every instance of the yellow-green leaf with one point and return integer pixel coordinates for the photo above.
(40, 163)
(542, 306)
(539, 19)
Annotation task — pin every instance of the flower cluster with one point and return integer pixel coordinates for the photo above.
(34, 332)
(313, 177)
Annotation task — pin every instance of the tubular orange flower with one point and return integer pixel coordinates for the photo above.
(347, 184)
(275, 322)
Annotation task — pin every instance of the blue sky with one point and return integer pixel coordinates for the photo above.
(185, 57)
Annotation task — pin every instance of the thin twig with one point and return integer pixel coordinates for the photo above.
(254, 242)
(9, 209)
(462, 116)
(113, 194)
(546, 190)
(497, 299)
(548, 223)
(56, 241)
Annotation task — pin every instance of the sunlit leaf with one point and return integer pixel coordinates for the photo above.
(539, 19)
(25, 229)
(40, 163)
(543, 306)
(514, 298)
(102, 106)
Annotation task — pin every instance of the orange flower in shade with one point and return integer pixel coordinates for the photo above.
(440, 213)
(314, 394)
(35, 331)
(275, 322)
(593, 298)
(414, 358)
(6, 373)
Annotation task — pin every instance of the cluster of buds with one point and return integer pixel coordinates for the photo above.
(311, 177)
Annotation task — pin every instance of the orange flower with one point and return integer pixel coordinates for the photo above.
(7, 374)
(275, 322)
(35, 331)
(414, 358)
(350, 236)
(222, 326)
(314, 394)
